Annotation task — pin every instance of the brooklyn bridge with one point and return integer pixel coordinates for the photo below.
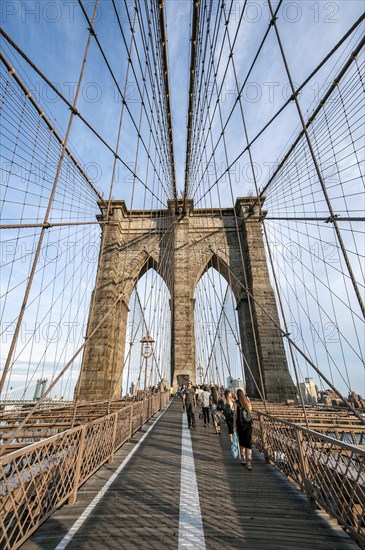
(182, 200)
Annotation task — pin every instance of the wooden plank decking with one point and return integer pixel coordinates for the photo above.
(240, 509)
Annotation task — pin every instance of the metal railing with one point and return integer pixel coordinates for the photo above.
(39, 478)
(330, 471)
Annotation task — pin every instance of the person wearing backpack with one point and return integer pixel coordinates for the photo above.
(244, 427)
(228, 411)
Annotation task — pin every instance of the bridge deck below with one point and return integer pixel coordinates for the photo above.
(141, 509)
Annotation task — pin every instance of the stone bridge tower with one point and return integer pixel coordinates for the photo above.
(230, 240)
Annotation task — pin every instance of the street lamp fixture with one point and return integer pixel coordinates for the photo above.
(200, 371)
(146, 351)
(147, 345)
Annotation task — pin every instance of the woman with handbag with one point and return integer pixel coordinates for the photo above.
(214, 410)
(244, 427)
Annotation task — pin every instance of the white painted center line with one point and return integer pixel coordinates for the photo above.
(85, 514)
(191, 531)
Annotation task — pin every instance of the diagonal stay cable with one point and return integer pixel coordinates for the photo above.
(148, 47)
(29, 96)
(167, 92)
(315, 161)
(77, 113)
(236, 100)
(103, 54)
(266, 126)
(48, 210)
(71, 360)
(300, 351)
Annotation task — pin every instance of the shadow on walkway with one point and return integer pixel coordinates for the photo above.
(246, 510)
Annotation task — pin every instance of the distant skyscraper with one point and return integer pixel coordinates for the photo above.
(234, 383)
(309, 391)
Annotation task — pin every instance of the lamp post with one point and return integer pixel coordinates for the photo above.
(200, 373)
(146, 351)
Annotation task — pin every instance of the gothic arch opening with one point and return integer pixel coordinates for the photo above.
(149, 315)
(138, 266)
(220, 265)
(183, 256)
(217, 335)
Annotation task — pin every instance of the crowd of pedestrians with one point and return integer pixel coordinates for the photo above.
(216, 406)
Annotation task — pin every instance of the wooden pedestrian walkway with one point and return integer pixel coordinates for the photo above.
(142, 506)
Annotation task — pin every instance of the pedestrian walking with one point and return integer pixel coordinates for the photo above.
(243, 419)
(228, 411)
(199, 391)
(189, 400)
(182, 392)
(205, 400)
(214, 410)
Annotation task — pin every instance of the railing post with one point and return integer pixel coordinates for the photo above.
(73, 496)
(111, 458)
(304, 466)
(263, 439)
(131, 422)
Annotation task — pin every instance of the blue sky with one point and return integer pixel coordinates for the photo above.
(52, 37)
(54, 34)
